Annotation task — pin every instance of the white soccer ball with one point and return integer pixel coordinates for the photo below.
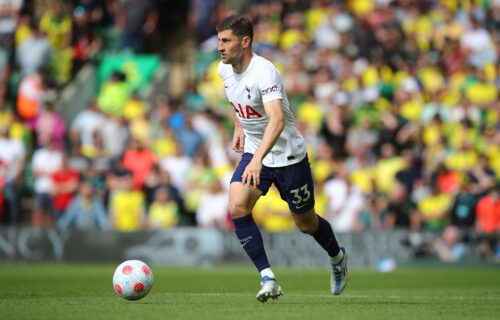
(133, 280)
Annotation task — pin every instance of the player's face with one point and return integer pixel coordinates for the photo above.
(230, 47)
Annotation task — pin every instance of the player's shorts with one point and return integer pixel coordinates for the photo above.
(294, 182)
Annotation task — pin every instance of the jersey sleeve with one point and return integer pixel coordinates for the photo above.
(271, 85)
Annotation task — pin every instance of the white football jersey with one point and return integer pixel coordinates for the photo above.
(247, 93)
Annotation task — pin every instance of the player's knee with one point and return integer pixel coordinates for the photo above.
(305, 227)
(237, 210)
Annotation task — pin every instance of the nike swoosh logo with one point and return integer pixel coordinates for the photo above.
(245, 243)
(298, 207)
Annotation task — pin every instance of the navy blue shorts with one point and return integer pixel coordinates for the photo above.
(294, 182)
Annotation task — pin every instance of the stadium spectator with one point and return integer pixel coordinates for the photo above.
(190, 139)
(139, 160)
(31, 97)
(213, 210)
(64, 186)
(12, 158)
(86, 17)
(127, 208)
(164, 211)
(463, 211)
(478, 45)
(198, 178)
(202, 18)
(387, 167)
(408, 175)
(481, 177)
(85, 123)
(57, 24)
(85, 212)
(401, 212)
(434, 209)
(449, 247)
(488, 212)
(138, 19)
(134, 107)
(447, 180)
(50, 125)
(46, 161)
(115, 134)
(9, 13)
(272, 213)
(345, 202)
(177, 166)
(114, 94)
(33, 52)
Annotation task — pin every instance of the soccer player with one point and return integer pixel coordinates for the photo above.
(273, 152)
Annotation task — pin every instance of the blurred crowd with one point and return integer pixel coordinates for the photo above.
(398, 101)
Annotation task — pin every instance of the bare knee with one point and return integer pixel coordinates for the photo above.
(237, 210)
(306, 227)
(306, 222)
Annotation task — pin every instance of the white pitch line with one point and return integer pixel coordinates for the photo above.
(215, 294)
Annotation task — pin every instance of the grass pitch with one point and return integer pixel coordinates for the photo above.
(72, 291)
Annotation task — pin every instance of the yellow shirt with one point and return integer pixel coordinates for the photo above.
(411, 110)
(139, 129)
(362, 178)
(289, 38)
(321, 204)
(481, 93)
(385, 173)
(461, 160)
(128, 207)
(273, 213)
(22, 32)
(432, 205)
(311, 113)
(164, 215)
(57, 29)
(134, 109)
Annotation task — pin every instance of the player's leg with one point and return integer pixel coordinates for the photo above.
(296, 188)
(309, 222)
(241, 202)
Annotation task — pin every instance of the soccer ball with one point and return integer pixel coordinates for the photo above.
(133, 280)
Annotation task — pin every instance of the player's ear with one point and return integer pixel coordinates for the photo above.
(245, 42)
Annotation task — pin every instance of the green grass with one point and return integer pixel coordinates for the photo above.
(50, 291)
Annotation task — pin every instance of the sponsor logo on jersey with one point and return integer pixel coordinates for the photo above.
(270, 89)
(246, 112)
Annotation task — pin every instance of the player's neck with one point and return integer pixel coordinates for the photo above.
(243, 64)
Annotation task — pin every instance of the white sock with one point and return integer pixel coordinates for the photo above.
(267, 272)
(338, 258)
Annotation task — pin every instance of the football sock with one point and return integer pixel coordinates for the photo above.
(251, 240)
(267, 272)
(325, 237)
(338, 258)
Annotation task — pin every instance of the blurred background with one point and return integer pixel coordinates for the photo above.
(115, 132)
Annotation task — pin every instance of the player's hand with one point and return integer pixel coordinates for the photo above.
(238, 141)
(251, 175)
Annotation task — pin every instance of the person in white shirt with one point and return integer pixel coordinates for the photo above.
(274, 152)
(12, 156)
(213, 209)
(45, 162)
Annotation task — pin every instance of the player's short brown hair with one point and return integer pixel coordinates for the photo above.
(239, 24)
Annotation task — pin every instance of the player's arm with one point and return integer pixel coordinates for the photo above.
(274, 112)
(238, 136)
